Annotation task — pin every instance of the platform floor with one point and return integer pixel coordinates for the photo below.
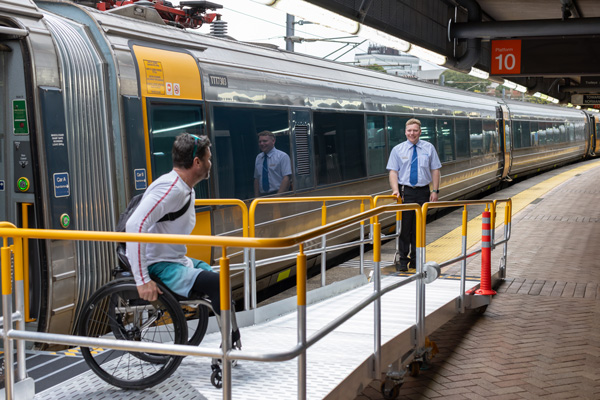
(540, 336)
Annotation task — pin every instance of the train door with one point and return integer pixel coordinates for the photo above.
(505, 132)
(17, 159)
(301, 136)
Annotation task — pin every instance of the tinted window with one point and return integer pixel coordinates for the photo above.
(445, 139)
(339, 147)
(490, 139)
(518, 134)
(428, 130)
(476, 137)
(376, 144)
(462, 138)
(167, 121)
(396, 130)
(236, 145)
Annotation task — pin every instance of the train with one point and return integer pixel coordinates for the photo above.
(92, 102)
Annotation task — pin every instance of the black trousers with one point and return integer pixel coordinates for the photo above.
(407, 240)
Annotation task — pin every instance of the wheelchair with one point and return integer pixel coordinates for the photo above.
(115, 311)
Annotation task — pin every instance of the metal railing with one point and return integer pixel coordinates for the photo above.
(299, 350)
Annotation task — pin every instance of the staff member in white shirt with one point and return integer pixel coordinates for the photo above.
(272, 168)
(413, 166)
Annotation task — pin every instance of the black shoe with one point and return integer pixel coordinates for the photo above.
(401, 267)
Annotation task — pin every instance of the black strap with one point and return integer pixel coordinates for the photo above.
(174, 215)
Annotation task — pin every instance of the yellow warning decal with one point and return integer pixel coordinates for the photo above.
(155, 77)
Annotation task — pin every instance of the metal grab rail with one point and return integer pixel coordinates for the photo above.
(299, 350)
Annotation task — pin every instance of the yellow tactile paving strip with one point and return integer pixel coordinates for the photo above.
(449, 246)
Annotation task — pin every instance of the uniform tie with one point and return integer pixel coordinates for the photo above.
(414, 168)
(265, 175)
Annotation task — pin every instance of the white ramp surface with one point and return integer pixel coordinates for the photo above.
(329, 362)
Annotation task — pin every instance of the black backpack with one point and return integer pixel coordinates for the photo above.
(122, 225)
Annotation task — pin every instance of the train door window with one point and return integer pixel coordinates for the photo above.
(339, 147)
(476, 138)
(428, 130)
(236, 145)
(166, 122)
(396, 131)
(462, 137)
(490, 136)
(517, 134)
(445, 139)
(377, 154)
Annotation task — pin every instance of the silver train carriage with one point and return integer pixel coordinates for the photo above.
(92, 102)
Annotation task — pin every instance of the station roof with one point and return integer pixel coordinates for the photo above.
(547, 46)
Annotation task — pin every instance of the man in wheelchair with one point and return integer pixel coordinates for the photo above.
(167, 207)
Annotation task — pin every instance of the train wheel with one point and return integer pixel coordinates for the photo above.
(115, 311)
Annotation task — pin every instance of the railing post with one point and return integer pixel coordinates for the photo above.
(7, 309)
(246, 280)
(225, 295)
(362, 239)
(420, 232)
(301, 296)
(377, 305)
(253, 299)
(323, 246)
(20, 307)
(463, 263)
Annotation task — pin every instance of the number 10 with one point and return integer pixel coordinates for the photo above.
(508, 63)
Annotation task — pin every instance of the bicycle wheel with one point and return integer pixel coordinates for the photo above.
(116, 311)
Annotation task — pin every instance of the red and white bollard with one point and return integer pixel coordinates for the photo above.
(485, 286)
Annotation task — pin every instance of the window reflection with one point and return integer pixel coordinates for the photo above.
(376, 144)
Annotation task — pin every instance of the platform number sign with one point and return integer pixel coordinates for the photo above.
(506, 57)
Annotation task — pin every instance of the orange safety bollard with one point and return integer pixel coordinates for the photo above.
(485, 286)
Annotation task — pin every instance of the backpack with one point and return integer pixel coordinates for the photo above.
(124, 217)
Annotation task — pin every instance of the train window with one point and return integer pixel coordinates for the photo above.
(490, 136)
(445, 139)
(462, 137)
(236, 145)
(166, 122)
(542, 132)
(562, 132)
(428, 130)
(571, 131)
(525, 134)
(396, 130)
(476, 137)
(533, 134)
(376, 144)
(517, 134)
(339, 147)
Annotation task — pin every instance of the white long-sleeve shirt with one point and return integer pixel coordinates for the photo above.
(167, 194)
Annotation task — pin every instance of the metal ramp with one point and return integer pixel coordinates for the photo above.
(338, 366)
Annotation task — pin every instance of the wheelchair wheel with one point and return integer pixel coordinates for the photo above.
(116, 311)
(197, 322)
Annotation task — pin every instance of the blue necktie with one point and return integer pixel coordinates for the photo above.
(265, 174)
(414, 168)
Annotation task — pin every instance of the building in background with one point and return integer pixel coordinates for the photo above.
(396, 63)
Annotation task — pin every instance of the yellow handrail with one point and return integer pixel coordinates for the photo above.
(227, 202)
(323, 199)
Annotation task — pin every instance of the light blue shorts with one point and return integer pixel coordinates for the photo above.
(178, 277)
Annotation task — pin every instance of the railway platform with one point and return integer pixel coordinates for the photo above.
(538, 337)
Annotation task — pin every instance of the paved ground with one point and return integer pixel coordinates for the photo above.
(540, 337)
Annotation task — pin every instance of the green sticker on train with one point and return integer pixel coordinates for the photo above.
(20, 117)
